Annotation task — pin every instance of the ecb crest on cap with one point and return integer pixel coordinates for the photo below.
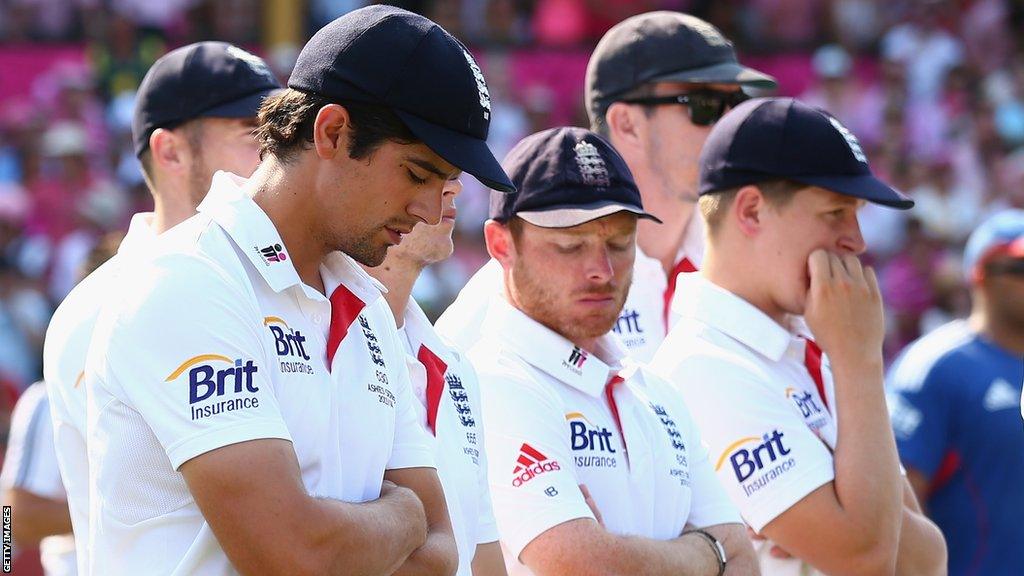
(591, 165)
(481, 85)
(851, 140)
(255, 63)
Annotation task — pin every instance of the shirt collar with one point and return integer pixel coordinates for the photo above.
(230, 206)
(550, 352)
(420, 331)
(140, 236)
(705, 302)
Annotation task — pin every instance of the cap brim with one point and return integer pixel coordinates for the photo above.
(724, 73)
(245, 107)
(568, 217)
(865, 186)
(465, 152)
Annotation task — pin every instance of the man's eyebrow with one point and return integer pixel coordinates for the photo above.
(430, 167)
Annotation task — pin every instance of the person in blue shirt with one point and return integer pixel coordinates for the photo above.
(955, 397)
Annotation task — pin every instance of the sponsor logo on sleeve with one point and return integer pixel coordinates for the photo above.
(290, 346)
(217, 384)
(585, 436)
(756, 462)
(530, 464)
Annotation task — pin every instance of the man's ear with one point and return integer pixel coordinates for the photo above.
(500, 245)
(168, 151)
(748, 210)
(331, 131)
(623, 125)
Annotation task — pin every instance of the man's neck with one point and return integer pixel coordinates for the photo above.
(736, 278)
(275, 190)
(1004, 335)
(170, 208)
(399, 276)
(663, 241)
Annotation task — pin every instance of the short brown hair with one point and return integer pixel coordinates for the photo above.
(714, 206)
(286, 125)
(193, 132)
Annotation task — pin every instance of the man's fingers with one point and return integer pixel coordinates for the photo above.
(853, 267)
(819, 268)
(871, 279)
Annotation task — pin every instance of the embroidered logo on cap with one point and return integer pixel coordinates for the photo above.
(591, 164)
(481, 85)
(851, 140)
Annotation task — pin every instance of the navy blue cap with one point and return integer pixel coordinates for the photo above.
(205, 79)
(565, 177)
(783, 138)
(385, 55)
(662, 46)
(1000, 235)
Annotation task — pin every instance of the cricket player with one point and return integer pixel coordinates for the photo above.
(446, 388)
(954, 399)
(778, 350)
(195, 112)
(595, 464)
(655, 85)
(249, 373)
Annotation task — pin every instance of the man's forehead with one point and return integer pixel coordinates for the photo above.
(668, 88)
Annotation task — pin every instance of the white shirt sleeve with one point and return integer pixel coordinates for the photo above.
(710, 505)
(763, 453)
(31, 460)
(533, 485)
(183, 349)
(487, 526)
(412, 446)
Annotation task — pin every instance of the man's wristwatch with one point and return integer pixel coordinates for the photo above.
(716, 547)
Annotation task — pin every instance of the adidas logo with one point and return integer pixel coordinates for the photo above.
(273, 253)
(530, 464)
(1001, 395)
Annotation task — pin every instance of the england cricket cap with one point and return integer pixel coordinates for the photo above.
(565, 177)
(385, 55)
(1000, 235)
(782, 138)
(662, 46)
(205, 79)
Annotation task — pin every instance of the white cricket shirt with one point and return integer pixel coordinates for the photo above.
(30, 464)
(64, 352)
(765, 420)
(445, 384)
(215, 340)
(551, 427)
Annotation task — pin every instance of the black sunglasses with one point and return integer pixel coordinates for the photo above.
(1009, 267)
(706, 107)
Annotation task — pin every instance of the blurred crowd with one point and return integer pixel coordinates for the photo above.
(934, 89)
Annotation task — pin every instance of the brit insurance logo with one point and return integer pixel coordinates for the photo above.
(595, 441)
(629, 330)
(272, 253)
(290, 346)
(757, 461)
(577, 358)
(213, 376)
(530, 464)
(813, 414)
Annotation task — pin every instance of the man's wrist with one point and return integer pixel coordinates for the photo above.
(716, 548)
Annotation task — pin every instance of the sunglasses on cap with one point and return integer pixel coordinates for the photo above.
(706, 107)
(1008, 267)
